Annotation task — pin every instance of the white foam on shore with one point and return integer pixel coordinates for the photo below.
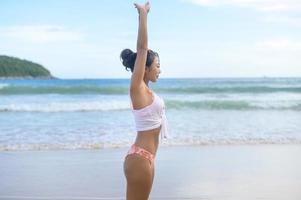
(170, 142)
(66, 106)
(88, 106)
(14, 197)
(59, 197)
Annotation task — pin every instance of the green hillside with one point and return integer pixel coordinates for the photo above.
(11, 67)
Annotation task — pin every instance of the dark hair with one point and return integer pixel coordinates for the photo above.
(129, 57)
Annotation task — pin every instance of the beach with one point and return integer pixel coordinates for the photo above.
(182, 172)
(225, 79)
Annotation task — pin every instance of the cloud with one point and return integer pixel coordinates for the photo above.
(293, 21)
(259, 5)
(279, 44)
(40, 33)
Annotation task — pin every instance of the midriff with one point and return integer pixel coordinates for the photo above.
(148, 140)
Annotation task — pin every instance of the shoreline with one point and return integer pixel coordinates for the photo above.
(160, 146)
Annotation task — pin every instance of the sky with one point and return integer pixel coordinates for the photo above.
(194, 38)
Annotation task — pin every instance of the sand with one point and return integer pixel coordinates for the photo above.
(239, 172)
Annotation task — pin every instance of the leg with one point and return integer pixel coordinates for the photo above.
(139, 176)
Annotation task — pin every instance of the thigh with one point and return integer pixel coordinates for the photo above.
(138, 172)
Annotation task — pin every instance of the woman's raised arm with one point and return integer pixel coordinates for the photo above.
(142, 48)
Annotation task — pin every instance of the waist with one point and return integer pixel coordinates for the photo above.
(149, 139)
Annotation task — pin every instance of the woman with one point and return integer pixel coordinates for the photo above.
(148, 110)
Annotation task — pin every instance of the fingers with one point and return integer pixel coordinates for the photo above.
(139, 6)
(146, 6)
(136, 5)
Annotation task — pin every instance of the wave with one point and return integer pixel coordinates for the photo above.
(232, 141)
(170, 104)
(233, 105)
(94, 89)
(169, 142)
(66, 107)
(83, 89)
(231, 89)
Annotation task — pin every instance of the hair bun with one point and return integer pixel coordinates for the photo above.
(126, 54)
(128, 58)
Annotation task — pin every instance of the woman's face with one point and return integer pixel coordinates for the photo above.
(153, 71)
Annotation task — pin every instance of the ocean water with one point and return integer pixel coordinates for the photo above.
(92, 114)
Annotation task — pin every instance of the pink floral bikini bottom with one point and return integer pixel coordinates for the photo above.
(142, 152)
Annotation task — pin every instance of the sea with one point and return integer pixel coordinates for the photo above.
(68, 114)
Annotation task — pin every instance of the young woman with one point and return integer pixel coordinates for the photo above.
(148, 110)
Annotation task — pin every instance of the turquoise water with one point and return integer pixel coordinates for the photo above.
(85, 114)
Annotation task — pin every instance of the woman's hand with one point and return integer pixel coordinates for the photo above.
(142, 8)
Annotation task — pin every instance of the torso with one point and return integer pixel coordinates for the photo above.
(149, 139)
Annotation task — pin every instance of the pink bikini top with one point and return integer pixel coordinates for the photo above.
(152, 116)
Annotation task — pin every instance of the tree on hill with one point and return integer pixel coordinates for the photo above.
(15, 67)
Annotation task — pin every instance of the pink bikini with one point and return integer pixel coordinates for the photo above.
(148, 118)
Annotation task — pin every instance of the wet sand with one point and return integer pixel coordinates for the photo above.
(194, 172)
